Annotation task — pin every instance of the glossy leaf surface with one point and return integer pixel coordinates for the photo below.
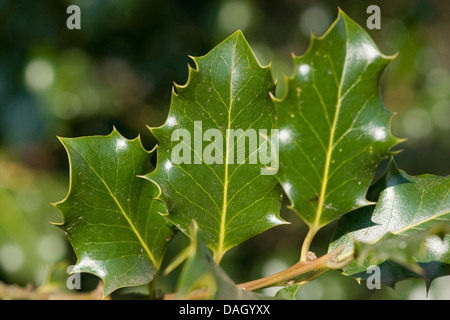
(406, 232)
(334, 127)
(110, 217)
(200, 175)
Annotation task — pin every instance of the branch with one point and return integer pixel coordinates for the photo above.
(15, 292)
(304, 270)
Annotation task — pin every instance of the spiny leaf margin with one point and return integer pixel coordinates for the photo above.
(327, 162)
(110, 216)
(231, 203)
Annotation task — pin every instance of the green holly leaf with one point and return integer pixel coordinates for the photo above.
(406, 233)
(334, 127)
(110, 216)
(288, 292)
(211, 166)
(404, 250)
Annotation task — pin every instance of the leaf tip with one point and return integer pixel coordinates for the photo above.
(400, 140)
(274, 97)
(148, 177)
(63, 140)
(391, 57)
(57, 224)
(293, 56)
(154, 129)
(163, 214)
(195, 59)
(237, 34)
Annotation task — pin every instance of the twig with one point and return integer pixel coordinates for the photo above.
(15, 292)
(312, 269)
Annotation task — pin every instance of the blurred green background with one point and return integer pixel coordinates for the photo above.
(119, 69)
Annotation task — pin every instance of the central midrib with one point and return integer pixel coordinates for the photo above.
(321, 202)
(327, 167)
(220, 251)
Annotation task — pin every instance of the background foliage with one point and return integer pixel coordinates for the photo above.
(118, 70)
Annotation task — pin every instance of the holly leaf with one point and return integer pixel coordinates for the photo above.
(334, 127)
(110, 216)
(288, 292)
(202, 278)
(404, 250)
(206, 170)
(406, 232)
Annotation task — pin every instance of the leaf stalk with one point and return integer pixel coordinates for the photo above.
(307, 243)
